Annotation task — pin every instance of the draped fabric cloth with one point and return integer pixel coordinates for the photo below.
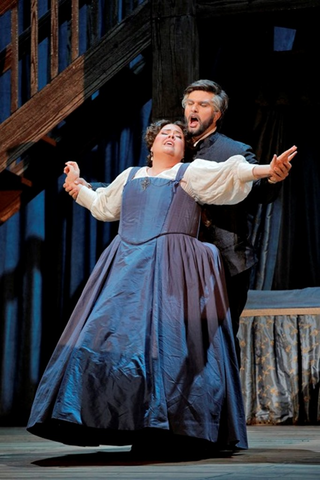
(149, 344)
(267, 218)
(279, 336)
(286, 233)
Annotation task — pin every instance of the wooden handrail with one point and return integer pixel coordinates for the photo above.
(67, 91)
(7, 5)
(47, 26)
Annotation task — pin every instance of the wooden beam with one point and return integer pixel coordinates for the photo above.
(14, 58)
(54, 39)
(10, 203)
(93, 22)
(12, 187)
(74, 85)
(175, 50)
(7, 5)
(74, 30)
(34, 67)
(206, 9)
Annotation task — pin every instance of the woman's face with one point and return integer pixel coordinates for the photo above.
(169, 141)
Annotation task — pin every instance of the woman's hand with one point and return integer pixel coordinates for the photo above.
(72, 171)
(280, 165)
(72, 188)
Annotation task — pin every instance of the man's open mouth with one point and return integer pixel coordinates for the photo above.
(193, 121)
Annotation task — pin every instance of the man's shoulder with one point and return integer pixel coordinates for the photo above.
(220, 147)
(224, 140)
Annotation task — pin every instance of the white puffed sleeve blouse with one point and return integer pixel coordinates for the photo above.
(208, 182)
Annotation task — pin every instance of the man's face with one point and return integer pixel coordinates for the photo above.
(200, 113)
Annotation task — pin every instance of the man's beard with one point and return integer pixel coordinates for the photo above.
(202, 127)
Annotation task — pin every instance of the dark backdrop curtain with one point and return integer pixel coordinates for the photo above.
(267, 65)
(287, 232)
(49, 248)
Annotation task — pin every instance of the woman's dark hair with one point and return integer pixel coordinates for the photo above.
(153, 130)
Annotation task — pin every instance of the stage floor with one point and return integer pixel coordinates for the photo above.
(276, 452)
(286, 452)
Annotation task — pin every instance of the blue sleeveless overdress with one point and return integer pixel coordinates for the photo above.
(149, 343)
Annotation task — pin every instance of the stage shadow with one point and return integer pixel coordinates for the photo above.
(251, 456)
(119, 458)
(92, 459)
(278, 456)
